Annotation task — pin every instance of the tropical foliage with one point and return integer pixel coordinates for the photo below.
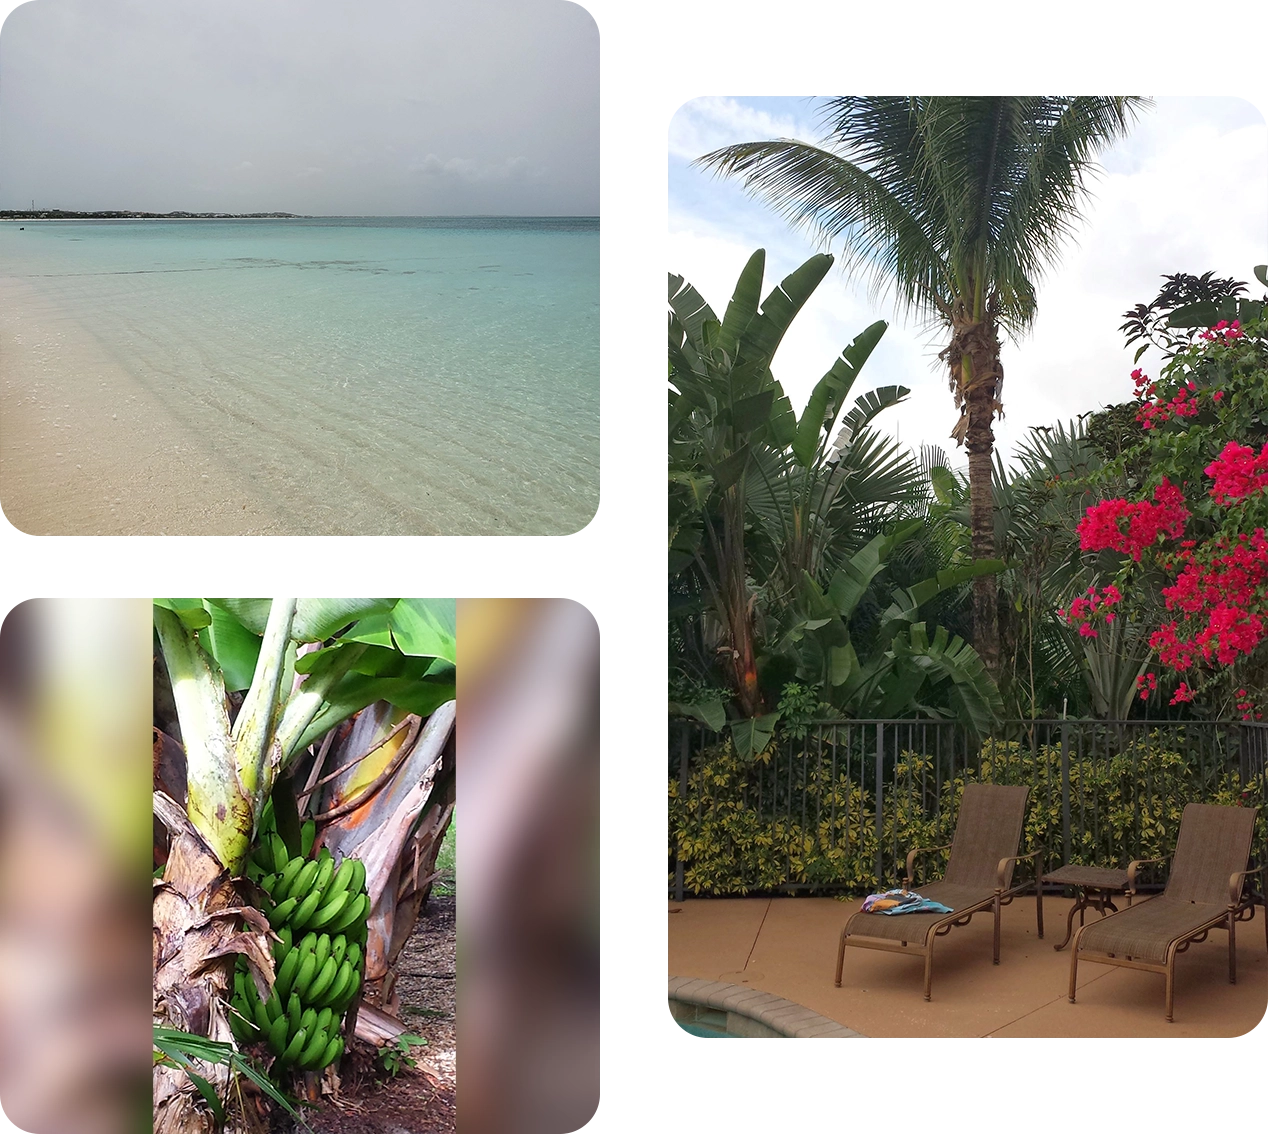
(779, 529)
(956, 205)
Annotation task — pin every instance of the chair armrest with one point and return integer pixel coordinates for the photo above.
(1003, 867)
(1131, 871)
(911, 859)
(1235, 885)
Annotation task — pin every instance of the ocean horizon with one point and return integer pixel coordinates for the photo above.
(428, 375)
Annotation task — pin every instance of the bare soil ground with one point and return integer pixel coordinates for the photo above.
(422, 1100)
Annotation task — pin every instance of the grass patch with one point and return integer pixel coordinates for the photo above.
(446, 861)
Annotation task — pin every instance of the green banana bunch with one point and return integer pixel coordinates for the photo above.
(319, 913)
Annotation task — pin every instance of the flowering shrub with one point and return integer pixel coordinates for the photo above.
(1238, 472)
(1204, 436)
(1120, 525)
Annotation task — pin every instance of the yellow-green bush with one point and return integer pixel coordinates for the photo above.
(1122, 807)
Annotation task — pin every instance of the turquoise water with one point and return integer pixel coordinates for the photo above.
(344, 375)
(705, 1032)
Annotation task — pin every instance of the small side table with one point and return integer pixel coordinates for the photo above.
(1095, 884)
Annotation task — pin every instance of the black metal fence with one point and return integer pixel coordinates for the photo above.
(839, 808)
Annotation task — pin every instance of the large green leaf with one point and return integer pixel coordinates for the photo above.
(373, 629)
(1208, 313)
(831, 391)
(710, 713)
(426, 627)
(767, 329)
(315, 619)
(190, 611)
(851, 581)
(973, 695)
(752, 412)
(357, 690)
(751, 736)
(691, 310)
(743, 305)
(235, 648)
(318, 619)
(729, 470)
(253, 613)
(908, 602)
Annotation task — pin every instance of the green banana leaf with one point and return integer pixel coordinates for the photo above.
(852, 579)
(751, 736)
(830, 392)
(743, 306)
(766, 330)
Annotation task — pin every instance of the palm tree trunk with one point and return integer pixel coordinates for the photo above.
(976, 376)
(980, 443)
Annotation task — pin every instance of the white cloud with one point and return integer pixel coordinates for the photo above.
(704, 124)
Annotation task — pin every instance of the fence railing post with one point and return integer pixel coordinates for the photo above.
(880, 791)
(684, 760)
(1065, 793)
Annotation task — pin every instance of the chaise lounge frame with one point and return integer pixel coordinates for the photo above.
(1214, 841)
(978, 876)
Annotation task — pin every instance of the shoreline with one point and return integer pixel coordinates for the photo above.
(125, 214)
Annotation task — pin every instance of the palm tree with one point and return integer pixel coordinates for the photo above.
(956, 204)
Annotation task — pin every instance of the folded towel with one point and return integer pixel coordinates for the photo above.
(902, 901)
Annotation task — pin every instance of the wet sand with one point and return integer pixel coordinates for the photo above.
(92, 446)
(85, 451)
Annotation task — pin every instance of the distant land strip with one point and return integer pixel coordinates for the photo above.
(125, 214)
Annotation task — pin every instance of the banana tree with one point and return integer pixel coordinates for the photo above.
(900, 664)
(301, 668)
(738, 451)
(387, 800)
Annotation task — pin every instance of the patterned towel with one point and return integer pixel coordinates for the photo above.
(902, 901)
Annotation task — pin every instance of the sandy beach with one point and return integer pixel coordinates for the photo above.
(195, 391)
(85, 451)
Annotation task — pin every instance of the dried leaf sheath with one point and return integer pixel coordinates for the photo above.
(198, 934)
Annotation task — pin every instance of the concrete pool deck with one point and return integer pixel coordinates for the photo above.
(787, 946)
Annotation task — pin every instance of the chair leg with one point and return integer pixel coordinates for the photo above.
(1171, 980)
(997, 909)
(840, 958)
(929, 970)
(1232, 948)
(1074, 966)
(1039, 906)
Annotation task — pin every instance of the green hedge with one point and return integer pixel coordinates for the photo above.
(1131, 808)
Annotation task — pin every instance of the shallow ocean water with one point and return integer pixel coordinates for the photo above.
(376, 376)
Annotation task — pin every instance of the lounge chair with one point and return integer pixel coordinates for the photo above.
(979, 874)
(1204, 891)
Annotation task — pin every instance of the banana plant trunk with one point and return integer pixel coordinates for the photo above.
(201, 922)
(739, 605)
(197, 938)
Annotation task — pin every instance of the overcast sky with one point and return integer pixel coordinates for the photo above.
(1187, 191)
(382, 107)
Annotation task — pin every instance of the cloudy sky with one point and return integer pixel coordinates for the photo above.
(1187, 191)
(383, 107)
